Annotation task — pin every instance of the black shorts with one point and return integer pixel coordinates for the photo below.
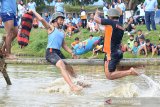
(54, 55)
(115, 59)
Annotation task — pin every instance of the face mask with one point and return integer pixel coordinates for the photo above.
(131, 39)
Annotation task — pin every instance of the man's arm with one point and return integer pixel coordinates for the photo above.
(156, 5)
(144, 5)
(45, 24)
(66, 48)
(97, 19)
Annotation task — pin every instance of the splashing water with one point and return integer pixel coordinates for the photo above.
(153, 87)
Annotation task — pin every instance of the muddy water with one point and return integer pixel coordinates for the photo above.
(42, 86)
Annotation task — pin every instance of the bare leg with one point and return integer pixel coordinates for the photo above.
(118, 74)
(60, 64)
(70, 70)
(11, 32)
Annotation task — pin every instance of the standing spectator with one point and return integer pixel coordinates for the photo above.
(105, 10)
(32, 5)
(21, 11)
(1, 24)
(8, 15)
(121, 8)
(46, 17)
(59, 6)
(83, 17)
(150, 6)
(140, 18)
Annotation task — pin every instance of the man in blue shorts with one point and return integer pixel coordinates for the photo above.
(112, 40)
(8, 15)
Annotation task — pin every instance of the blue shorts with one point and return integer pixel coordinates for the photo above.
(9, 16)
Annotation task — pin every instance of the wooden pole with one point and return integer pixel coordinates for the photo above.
(2, 62)
(5, 75)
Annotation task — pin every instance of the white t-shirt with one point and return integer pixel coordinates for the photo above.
(32, 5)
(142, 13)
(59, 7)
(21, 10)
(105, 10)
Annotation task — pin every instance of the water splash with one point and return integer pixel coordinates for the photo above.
(153, 87)
(60, 86)
(124, 90)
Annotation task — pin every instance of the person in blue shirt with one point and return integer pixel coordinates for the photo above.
(8, 15)
(150, 6)
(32, 5)
(59, 6)
(47, 18)
(121, 8)
(56, 41)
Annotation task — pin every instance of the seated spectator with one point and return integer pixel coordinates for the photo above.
(91, 25)
(135, 48)
(142, 46)
(72, 20)
(150, 47)
(131, 26)
(75, 42)
(70, 29)
(158, 49)
(140, 35)
(35, 23)
(129, 45)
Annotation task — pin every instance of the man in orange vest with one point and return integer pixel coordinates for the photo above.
(112, 40)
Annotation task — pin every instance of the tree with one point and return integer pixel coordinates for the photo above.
(80, 2)
(49, 1)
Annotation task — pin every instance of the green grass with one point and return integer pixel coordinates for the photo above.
(38, 42)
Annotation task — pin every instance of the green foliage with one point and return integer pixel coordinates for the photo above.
(77, 9)
(77, 2)
(38, 42)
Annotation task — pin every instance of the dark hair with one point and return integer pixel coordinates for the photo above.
(139, 30)
(91, 35)
(147, 40)
(132, 36)
(135, 41)
(76, 38)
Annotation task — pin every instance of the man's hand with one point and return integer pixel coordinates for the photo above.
(97, 12)
(74, 56)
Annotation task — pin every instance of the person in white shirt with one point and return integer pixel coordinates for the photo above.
(121, 8)
(105, 10)
(21, 11)
(140, 19)
(32, 5)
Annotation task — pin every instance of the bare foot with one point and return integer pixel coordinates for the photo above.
(10, 56)
(76, 88)
(134, 72)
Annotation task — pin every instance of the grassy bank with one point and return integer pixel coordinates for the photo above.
(38, 42)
